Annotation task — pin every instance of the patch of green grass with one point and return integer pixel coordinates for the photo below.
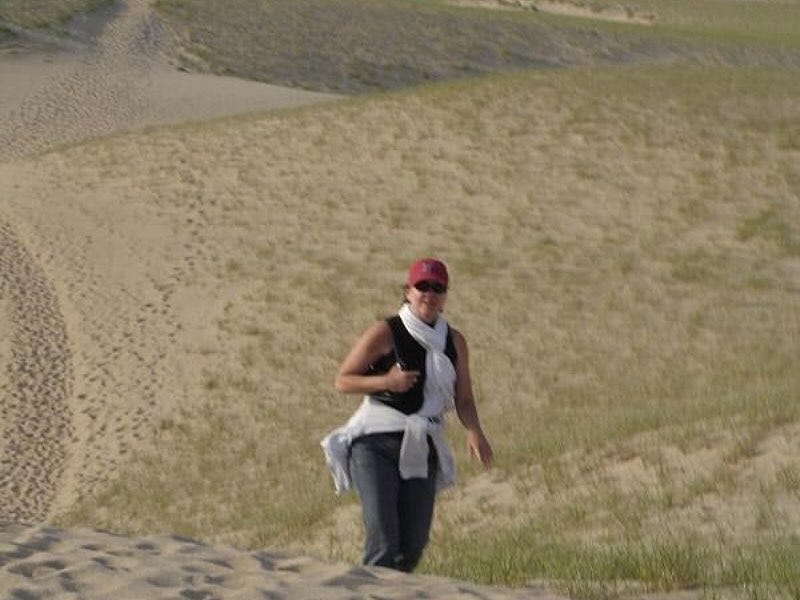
(559, 428)
(694, 267)
(260, 491)
(665, 562)
(789, 478)
(766, 569)
(771, 226)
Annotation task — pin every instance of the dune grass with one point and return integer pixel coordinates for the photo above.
(623, 244)
(356, 46)
(625, 252)
(45, 13)
(766, 23)
(756, 23)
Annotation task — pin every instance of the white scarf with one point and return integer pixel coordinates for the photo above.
(440, 375)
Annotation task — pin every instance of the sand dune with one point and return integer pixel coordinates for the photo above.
(63, 99)
(67, 420)
(95, 306)
(123, 81)
(43, 562)
(113, 341)
(35, 415)
(105, 249)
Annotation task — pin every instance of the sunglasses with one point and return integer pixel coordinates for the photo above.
(431, 286)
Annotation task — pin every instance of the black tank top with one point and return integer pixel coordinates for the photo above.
(410, 354)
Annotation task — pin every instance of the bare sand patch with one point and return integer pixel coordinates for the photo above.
(91, 272)
(614, 13)
(116, 266)
(35, 379)
(121, 82)
(196, 96)
(55, 100)
(22, 75)
(48, 562)
(5, 354)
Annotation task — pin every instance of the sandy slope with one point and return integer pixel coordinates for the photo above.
(100, 329)
(61, 99)
(34, 412)
(42, 562)
(91, 319)
(112, 298)
(101, 333)
(118, 274)
(122, 82)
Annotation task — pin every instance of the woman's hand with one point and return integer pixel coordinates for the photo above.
(398, 380)
(479, 448)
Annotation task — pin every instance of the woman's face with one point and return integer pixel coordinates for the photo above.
(425, 302)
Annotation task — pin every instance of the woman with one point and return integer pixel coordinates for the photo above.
(411, 368)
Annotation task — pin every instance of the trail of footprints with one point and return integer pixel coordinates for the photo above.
(116, 376)
(105, 93)
(122, 375)
(122, 330)
(34, 412)
(124, 340)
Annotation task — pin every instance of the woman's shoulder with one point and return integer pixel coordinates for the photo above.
(378, 333)
(454, 332)
(378, 328)
(458, 338)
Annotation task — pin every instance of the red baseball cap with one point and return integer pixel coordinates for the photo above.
(427, 269)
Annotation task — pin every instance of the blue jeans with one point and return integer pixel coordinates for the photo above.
(397, 512)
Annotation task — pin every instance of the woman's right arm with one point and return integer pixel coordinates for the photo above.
(373, 343)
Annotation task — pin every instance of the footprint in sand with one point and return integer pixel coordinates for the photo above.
(120, 81)
(101, 90)
(35, 362)
(116, 304)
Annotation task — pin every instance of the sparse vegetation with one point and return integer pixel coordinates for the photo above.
(630, 374)
(621, 240)
(355, 46)
(44, 13)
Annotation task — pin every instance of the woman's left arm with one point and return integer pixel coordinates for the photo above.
(477, 444)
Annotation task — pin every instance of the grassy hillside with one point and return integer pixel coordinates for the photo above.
(624, 242)
(353, 46)
(771, 24)
(625, 252)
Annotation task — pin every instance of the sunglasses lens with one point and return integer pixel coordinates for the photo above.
(431, 286)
